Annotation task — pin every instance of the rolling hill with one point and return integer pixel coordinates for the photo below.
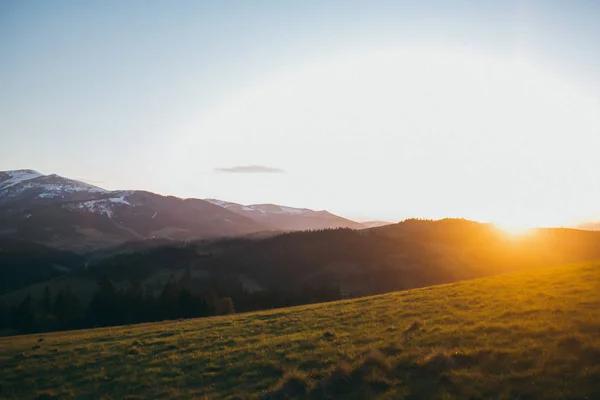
(375, 224)
(528, 335)
(590, 226)
(394, 257)
(307, 267)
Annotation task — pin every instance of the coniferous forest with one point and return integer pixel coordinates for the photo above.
(134, 304)
(110, 306)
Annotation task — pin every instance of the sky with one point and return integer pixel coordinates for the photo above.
(370, 109)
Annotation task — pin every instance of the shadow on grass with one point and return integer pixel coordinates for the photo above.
(375, 375)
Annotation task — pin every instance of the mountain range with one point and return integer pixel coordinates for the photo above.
(69, 214)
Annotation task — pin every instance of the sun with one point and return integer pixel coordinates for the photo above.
(514, 228)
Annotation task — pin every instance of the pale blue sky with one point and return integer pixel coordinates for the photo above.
(165, 96)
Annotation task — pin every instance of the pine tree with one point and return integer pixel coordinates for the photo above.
(185, 304)
(227, 306)
(4, 321)
(134, 302)
(47, 301)
(169, 300)
(67, 308)
(150, 310)
(23, 316)
(102, 310)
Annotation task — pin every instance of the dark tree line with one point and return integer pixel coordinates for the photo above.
(49, 313)
(110, 306)
(273, 298)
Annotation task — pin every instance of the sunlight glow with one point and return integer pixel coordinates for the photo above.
(515, 229)
(413, 133)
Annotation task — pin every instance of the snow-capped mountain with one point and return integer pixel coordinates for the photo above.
(66, 213)
(11, 178)
(288, 218)
(34, 187)
(70, 214)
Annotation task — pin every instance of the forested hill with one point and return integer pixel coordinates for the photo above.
(23, 263)
(315, 266)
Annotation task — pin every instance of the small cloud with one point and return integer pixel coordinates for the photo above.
(250, 169)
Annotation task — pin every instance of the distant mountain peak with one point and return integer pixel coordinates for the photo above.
(47, 185)
(12, 178)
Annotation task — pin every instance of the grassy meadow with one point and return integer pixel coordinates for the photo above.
(532, 335)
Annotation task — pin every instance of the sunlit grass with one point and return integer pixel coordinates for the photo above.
(533, 335)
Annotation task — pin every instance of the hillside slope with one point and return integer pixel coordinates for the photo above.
(529, 335)
(307, 267)
(590, 226)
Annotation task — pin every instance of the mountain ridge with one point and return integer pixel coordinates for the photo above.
(69, 214)
(289, 218)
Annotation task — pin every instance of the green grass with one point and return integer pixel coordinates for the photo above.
(533, 335)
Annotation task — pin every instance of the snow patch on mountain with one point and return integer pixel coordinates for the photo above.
(222, 203)
(101, 206)
(276, 209)
(261, 208)
(65, 185)
(50, 190)
(17, 177)
(15, 183)
(48, 195)
(119, 200)
(291, 210)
